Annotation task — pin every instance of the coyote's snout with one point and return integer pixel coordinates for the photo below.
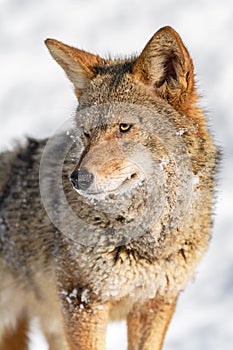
(109, 219)
(108, 166)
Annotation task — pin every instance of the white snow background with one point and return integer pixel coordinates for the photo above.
(36, 97)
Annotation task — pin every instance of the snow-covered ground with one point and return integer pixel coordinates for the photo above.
(35, 97)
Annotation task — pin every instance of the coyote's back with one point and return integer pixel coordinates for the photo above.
(109, 218)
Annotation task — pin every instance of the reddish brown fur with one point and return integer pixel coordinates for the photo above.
(16, 339)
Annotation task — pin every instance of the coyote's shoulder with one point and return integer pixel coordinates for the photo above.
(110, 218)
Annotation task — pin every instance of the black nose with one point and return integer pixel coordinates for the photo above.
(81, 179)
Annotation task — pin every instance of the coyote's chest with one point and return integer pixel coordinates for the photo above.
(114, 278)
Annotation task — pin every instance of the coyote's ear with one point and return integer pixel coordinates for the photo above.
(78, 64)
(167, 69)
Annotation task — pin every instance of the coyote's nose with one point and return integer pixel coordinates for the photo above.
(81, 179)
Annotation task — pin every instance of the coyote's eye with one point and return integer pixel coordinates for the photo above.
(86, 133)
(125, 127)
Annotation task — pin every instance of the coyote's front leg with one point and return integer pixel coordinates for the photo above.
(148, 324)
(86, 327)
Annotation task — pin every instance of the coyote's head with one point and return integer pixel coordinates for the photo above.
(129, 118)
(115, 158)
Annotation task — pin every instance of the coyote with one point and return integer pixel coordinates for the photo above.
(109, 219)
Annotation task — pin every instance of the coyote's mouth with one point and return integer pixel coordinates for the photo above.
(131, 179)
(126, 185)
